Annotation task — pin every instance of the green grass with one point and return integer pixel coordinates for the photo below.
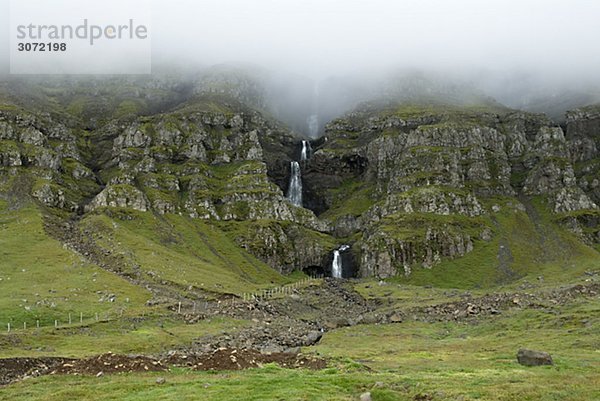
(350, 198)
(268, 383)
(183, 251)
(151, 334)
(41, 280)
(447, 361)
(448, 111)
(405, 296)
(478, 361)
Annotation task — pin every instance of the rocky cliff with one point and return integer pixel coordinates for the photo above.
(211, 158)
(407, 185)
(412, 185)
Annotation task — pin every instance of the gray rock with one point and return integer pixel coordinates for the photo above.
(271, 349)
(528, 357)
(395, 318)
(336, 323)
(366, 396)
(120, 196)
(313, 337)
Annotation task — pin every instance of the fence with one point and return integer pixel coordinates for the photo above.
(281, 290)
(81, 318)
(66, 320)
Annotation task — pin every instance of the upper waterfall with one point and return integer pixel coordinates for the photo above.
(306, 151)
(313, 125)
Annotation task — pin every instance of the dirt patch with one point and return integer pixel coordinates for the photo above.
(236, 359)
(110, 363)
(14, 369)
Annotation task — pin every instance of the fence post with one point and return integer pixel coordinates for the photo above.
(179, 308)
(24, 325)
(9, 327)
(80, 317)
(37, 324)
(70, 318)
(55, 323)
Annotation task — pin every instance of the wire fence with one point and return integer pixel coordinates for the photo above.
(73, 319)
(281, 290)
(70, 319)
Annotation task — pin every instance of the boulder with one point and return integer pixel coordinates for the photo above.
(365, 396)
(528, 357)
(313, 337)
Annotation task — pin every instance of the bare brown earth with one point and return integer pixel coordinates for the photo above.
(14, 369)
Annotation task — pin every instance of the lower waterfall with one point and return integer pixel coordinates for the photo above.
(337, 264)
(294, 194)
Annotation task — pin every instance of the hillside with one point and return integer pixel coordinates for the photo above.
(145, 225)
(411, 187)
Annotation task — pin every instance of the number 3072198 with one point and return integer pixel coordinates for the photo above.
(42, 47)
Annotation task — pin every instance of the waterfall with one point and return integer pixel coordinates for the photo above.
(312, 121)
(313, 125)
(306, 151)
(336, 265)
(295, 189)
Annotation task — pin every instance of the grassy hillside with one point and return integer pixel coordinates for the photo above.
(41, 280)
(181, 251)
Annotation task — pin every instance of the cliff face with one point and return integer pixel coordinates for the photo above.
(41, 157)
(212, 158)
(414, 185)
(213, 165)
(407, 186)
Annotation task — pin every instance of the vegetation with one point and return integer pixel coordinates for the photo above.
(180, 250)
(539, 249)
(406, 361)
(42, 281)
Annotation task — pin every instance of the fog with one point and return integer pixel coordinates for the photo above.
(514, 50)
(318, 38)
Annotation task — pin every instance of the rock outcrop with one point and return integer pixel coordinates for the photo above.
(413, 184)
(45, 152)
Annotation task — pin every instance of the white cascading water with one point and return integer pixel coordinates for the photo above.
(313, 125)
(295, 189)
(336, 265)
(306, 151)
(312, 121)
